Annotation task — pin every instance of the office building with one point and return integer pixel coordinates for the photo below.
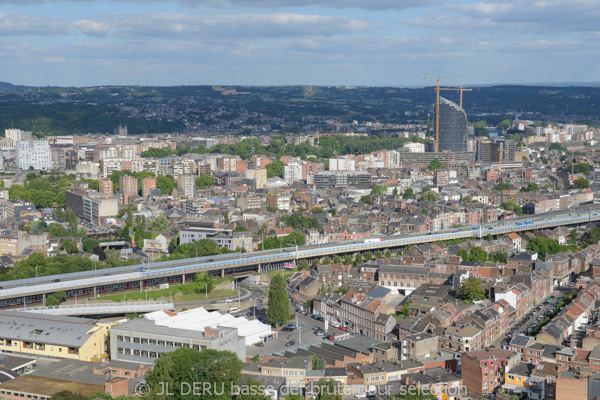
(453, 127)
(52, 336)
(331, 179)
(91, 205)
(33, 154)
(147, 185)
(146, 339)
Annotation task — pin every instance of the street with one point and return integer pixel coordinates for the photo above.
(530, 320)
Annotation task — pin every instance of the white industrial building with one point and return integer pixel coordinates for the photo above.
(253, 331)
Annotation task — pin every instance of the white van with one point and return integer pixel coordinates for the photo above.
(335, 324)
(233, 310)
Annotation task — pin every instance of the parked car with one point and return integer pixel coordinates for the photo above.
(260, 344)
(228, 300)
(56, 280)
(290, 343)
(319, 333)
(342, 328)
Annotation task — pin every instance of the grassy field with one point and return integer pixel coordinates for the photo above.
(182, 290)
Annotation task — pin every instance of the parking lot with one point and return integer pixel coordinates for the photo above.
(302, 337)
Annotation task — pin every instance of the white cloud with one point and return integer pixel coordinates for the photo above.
(267, 4)
(14, 24)
(239, 26)
(92, 28)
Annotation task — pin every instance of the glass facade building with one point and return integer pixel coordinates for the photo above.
(453, 127)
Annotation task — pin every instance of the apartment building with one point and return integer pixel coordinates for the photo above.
(483, 371)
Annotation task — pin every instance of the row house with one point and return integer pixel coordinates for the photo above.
(402, 278)
(429, 251)
(326, 305)
(332, 275)
(519, 297)
(492, 322)
(302, 289)
(366, 316)
(356, 233)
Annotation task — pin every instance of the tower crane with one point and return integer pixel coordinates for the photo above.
(437, 105)
(461, 90)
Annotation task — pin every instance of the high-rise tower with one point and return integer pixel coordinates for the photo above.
(453, 127)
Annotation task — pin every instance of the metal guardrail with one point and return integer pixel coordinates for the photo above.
(103, 308)
(201, 263)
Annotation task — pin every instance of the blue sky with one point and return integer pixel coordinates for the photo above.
(288, 42)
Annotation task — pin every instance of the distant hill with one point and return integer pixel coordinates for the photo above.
(9, 87)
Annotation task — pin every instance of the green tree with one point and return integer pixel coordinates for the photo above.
(378, 255)
(583, 168)
(573, 237)
(68, 395)
(419, 394)
(337, 259)
(160, 224)
(90, 244)
(367, 200)
(278, 312)
(471, 289)
(326, 260)
(252, 390)
(505, 124)
(358, 258)
(204, 181)
(463, 254)
(501, 186)
(317, 210)
(379, 189)
(477, 254)
(188, 368)
(166, 184)
(429, 195)
(408, 193)
(435, 164)
(387, 253)
(405, 309)
(395, 192)
(240, 228)
(531, 187)
(275, 169)
(327, 389)
(55, 299)
(69, 246)
(204, 282)
(581, 183)
(332, 211)
(557, 146)
(512, 205)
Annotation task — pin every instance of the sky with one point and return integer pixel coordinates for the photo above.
(298, 42)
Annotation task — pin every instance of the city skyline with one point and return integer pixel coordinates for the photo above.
(265, 42)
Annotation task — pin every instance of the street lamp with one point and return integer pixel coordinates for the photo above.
(36, 275)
